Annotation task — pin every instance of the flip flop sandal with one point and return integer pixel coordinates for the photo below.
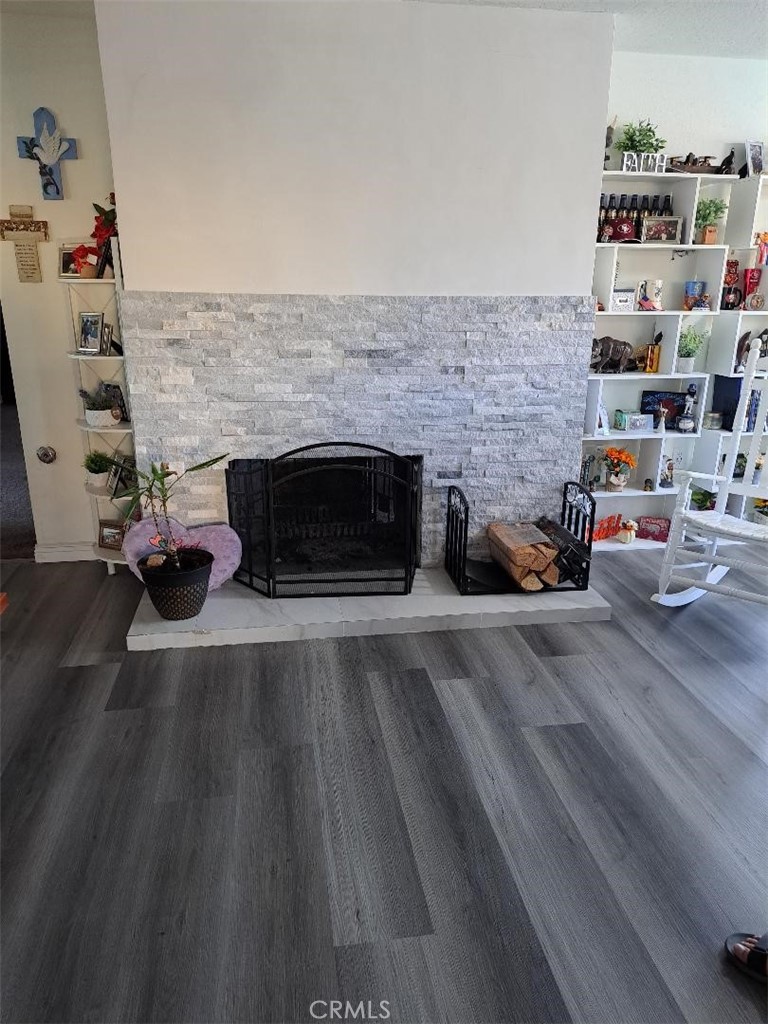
(755, 964)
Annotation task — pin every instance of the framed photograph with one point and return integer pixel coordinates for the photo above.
(125, 475)
(110, 534)
(673, 401)
(89, 336)
(603, 421)
(662, 229)
(106, 340)
(66, 262)
(116, 394)
(755, 158)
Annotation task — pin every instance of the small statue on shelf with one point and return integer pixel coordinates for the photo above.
(667, 478)
(610, 355)
(648, 485)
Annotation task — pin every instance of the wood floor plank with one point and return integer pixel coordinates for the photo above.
(653, 726)
(279, 951)
(397, 973)
(680, 909)
(147, 679)
(491, 965)
(375, 888)
(277, 695)
(101, 634)
(600, 964)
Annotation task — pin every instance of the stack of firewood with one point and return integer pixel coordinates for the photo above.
(526, 554)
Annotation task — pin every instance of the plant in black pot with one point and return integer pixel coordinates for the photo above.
(176, 575)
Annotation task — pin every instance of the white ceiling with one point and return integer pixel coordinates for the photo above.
(718, 28)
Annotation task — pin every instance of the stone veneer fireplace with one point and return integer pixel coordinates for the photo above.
(491, 390)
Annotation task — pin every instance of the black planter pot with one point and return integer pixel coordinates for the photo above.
(179, 594)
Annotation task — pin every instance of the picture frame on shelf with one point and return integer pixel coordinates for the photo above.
(603, 421)
(673, 401)
(756, 164)
(106, 339)
(116, 393)
(90, 327)
(125, 475)
(662, 229)
(67, 262)
(653, 528)
(110, 534)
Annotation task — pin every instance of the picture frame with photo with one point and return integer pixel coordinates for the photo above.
(89, 334)
(106, 339)
(67, 267)
(662, 229)
(118, 399)
(110, 534)
(756, 159)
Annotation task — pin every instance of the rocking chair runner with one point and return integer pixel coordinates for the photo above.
(717, 523)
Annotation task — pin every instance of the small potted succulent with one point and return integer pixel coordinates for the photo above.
(688, 347)
(708, 213)
(98, 465)
(619, 462)
(100, 408)
(176, 576)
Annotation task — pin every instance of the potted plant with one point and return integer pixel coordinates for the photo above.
(688, 347)
(619, 462)
(708, 213)
(99, 406)
(98, 465)
(176, 576)
(640, 138)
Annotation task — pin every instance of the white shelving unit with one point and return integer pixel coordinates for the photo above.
(623, 265)
(100, 296)
(747, 215)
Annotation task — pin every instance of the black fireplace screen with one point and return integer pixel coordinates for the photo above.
(319, 522)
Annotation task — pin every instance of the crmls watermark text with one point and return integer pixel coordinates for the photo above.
(334, 1009)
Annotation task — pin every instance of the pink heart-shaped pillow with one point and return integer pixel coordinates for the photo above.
(218, 538)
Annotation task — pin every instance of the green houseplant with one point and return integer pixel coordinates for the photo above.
(688, 347)
(98, 407)
(97, 464)
(640, 138)
(708, 213)
(176, 576)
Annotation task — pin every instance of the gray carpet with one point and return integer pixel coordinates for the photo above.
(17, 532)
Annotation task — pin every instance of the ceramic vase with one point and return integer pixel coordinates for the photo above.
(616, 482)
(99, 418)
(685, 364)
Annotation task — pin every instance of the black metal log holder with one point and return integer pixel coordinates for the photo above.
(572, 536)
(360, 515)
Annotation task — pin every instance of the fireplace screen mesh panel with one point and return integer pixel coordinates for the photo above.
(318, 522)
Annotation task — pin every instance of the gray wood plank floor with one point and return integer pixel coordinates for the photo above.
(546, 824)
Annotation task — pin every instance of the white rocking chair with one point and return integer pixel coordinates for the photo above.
(717, 523)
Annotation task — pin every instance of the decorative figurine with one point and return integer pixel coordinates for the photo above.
(661, 426)
(742, 351)
(609, 355)
(627, 532)
(648, 485)
(667, 478)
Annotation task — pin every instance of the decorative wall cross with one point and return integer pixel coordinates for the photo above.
(25, 233)
(47, 147)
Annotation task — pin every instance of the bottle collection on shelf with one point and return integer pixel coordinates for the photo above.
(637, 218)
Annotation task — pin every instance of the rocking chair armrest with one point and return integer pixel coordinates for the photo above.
(688, 474)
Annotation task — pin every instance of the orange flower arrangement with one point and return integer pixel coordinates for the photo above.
(619, 460)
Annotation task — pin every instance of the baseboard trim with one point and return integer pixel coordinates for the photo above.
(79, 552)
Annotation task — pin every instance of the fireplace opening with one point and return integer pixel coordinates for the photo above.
(319, 522)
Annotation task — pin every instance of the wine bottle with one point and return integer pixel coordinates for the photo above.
(610, 216)
(601, 216)
(655, 211)
(634, 214)
(645, 212)
(666, 210)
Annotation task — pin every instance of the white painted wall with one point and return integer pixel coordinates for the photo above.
(355, 148)
(51, 60)
(701, 104)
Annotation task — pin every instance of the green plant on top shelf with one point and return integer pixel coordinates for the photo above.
(640, 138)
(709, 212)
(97, 462)
(97, 400)
(690, 342)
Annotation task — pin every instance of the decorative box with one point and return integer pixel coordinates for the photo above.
(623, 300)
(653, 528)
